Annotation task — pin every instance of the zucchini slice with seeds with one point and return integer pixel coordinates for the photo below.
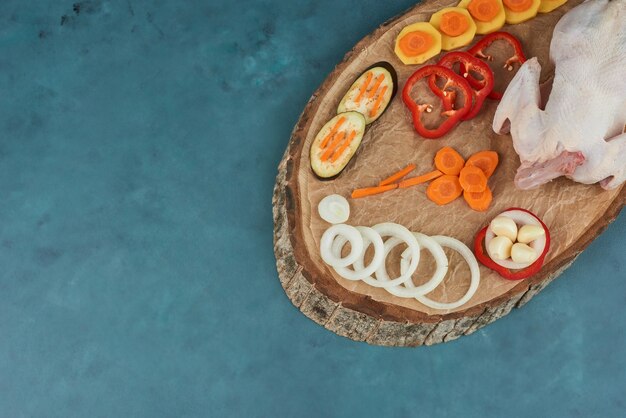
(372, 92)
(335, 144)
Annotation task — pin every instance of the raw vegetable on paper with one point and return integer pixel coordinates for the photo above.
(452, 115)
(518, 11)
(468, 64)
(487, 14)
(336, 143)
(372, 92)
(353, 266)
(456, 26)
(479, 50)
(452, 178)
(417, 43)
(364, 102)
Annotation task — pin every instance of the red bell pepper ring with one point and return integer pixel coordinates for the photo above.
(478, 50)
(506, 273)
(454, 116)
(468, 63)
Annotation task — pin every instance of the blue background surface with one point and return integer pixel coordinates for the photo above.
(138, 147)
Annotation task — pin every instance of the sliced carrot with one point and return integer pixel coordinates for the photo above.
(369, 191)
(332, 132)
(518, 5)
(415, 43)
(343, 147)
(484, 10)
(364, 87)
(377, 84)
(398, 175)
(444, 189)
(378, 101)
(479, 201)
(420, 179)
(473, 179)
(448, 161)
(485, 160)
(454, 23)
(333, 145)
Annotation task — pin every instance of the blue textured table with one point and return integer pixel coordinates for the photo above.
(138, 148)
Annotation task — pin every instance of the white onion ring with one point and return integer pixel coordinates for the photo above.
(334, 209)
(410, 290)
(399, 234)
(520, 218)
(351, 234)
(467, 254)
(360, 272)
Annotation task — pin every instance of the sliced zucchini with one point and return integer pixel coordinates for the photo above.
(372, 92)
(335, 144)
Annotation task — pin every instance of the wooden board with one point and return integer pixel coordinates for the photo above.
(575, 213)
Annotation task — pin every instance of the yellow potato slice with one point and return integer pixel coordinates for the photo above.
(453, 42)
(483, 28)
(425, 56)
(513, 18)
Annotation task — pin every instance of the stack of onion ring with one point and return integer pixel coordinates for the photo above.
(375, 273)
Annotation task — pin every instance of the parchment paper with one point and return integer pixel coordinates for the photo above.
(391, 143)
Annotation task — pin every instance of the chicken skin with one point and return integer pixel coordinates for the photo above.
(580, 133)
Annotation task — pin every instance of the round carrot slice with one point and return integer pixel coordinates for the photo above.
(448, 161)
(485, 160)
(453, 23)
(483, 10)
(518, 5)
(444, 190)
(415, 43)
(479, 201)
(473, 179)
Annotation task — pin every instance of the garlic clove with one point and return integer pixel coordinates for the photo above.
(504, 226)
(522, 253)
(500, 248)
(529, 233)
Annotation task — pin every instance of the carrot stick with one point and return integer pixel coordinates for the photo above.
(398, 175)
(364, 87)
(378, 101)
(332, 132)
(343, 147)
(369, 191)
(420, 179)
(374, 89)
(333, 145)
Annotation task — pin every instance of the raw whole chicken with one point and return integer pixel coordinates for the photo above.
(580, 134)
